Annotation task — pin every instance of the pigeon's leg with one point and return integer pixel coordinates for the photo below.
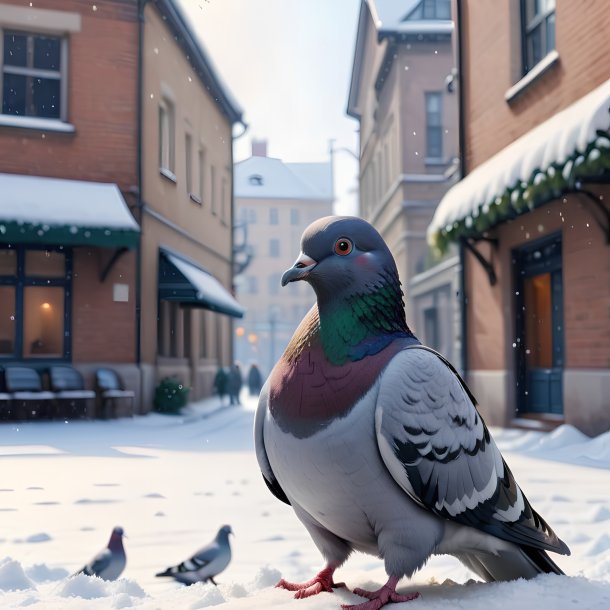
(211, 579)
(381, 597)
(321, 582)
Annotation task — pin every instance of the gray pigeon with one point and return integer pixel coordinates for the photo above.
(206, 563)
(110, 562)
(375, 440)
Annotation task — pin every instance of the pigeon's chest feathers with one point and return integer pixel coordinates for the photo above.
(307, 391)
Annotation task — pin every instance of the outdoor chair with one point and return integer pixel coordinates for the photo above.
(25, 388)
(69, 387)
(110, 389)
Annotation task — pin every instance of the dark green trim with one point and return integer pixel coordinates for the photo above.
(13, 232)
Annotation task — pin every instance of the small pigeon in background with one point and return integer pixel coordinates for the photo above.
(375, 440)
(206, 563)
(110, 562)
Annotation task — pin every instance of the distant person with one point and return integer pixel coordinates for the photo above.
(221, 381)
(255, 380)
(234, 384)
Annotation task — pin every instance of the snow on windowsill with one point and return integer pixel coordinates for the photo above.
(30, 122)
(534, 74)
(167, 173)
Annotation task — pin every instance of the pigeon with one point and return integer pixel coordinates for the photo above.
(375, 440)
(110, 562)
(206, 563)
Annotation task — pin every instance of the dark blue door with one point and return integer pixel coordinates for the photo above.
(539, 345)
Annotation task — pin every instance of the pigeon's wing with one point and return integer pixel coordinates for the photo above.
(438, 449)
(99, 563)
(259, 443)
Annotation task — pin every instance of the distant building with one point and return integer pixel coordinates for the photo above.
(274, 203)
(402, 94)
(115, 194)
(531, 213)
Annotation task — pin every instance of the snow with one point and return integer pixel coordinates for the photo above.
(171, 481)
(58, 202)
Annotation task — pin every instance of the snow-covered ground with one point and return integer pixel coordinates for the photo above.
(170, 482)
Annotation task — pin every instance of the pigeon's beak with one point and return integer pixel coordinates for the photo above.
(301, 268)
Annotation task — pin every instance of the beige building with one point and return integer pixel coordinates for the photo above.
(402, 94)
(186, 211)
(531, 212)
(275, 202)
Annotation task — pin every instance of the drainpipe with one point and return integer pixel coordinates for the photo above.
(463, 171)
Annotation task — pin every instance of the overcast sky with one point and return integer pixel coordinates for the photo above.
(288, 63)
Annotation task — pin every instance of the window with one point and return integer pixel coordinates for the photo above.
(223, 199)
(166, 139)
(201, 167)
(295, 217)
(431, 327)
(434, 125)
(213, 189)
(273, 216)
(188, 162)
(274, 248)
(538, 27)
(274, 283)
(431, 9)
(34, 297)
(252, 284)
(256, 180)
(32, 75)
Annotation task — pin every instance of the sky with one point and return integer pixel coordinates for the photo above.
(288, 64)
(172, 480)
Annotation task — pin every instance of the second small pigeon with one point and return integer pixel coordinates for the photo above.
(206, 563)
(110, 562)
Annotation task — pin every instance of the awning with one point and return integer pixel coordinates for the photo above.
(64, 212)
(543, 164)
(185, 282)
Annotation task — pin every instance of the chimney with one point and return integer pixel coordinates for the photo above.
(259, 148)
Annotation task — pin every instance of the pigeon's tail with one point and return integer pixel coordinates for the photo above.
(168, 572)
(510, 564)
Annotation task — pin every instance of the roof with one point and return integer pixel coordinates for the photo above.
(184, 281)
(269, 178)
(541, 165)
(34, 209)
(199, 58)
(391, 19)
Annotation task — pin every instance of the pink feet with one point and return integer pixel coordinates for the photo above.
(322, 582)
(381, 597)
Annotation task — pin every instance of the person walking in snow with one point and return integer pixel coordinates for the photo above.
(255, 380)
(220, 383)
(234, 384)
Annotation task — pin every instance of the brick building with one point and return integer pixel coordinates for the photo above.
(531, 211)
(115, 173)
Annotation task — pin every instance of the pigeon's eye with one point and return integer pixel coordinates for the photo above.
(343, 246)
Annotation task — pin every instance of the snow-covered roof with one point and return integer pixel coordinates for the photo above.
(538, 166)
(391, 17)
(269, 178)
(55, 210)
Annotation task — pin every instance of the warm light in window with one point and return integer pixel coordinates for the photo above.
(240, 331)
(252, 338)
(46, 306)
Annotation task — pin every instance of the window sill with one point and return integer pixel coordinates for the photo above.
(31, 122)
(542, 67)
(437, 161)
(168, 174)
(195, 199)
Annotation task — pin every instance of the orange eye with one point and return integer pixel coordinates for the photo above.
(343, 246)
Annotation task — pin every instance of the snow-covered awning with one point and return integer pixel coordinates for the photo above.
(541, 165)
(52, 211)
(183, 281)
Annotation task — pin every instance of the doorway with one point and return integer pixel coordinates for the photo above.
(539, 326)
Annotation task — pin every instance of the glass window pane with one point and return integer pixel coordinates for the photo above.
(13, 94)
(7, 320)
(43, 321)
(45, 97)
(8, 262)
(45, 263)
(538, 321)
(46, 53)
(15, 49)
(550, 33)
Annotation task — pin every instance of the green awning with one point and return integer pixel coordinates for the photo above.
(54, 211)
(183, 281)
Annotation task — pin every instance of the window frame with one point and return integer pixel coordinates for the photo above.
(167, 139)
(527, 28)
(21, 281)
(432, 126)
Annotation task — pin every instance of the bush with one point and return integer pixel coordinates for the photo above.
(170, 396)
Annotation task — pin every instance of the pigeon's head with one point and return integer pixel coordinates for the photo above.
(118, 532)
(354, 276)
(341, 256)
(223, 532)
